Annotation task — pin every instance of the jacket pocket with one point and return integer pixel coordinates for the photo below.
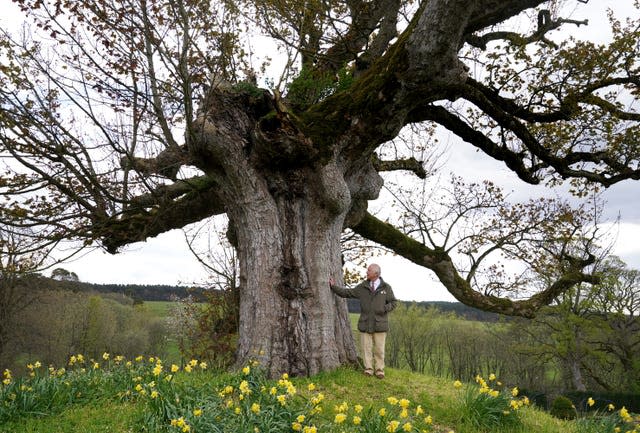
(381, 324)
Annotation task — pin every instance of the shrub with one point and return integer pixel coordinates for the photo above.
(563, 408)
(208, 330)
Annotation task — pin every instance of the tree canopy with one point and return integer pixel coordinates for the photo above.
(122, 120)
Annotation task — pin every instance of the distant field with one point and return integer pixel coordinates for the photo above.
(159, 308)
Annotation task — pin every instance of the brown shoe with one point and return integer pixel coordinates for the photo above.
(380, 374)
(368, 372)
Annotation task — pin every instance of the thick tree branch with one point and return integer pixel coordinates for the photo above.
(545, 25)
(409, 164)
(365, 19)
(139, 224)
(166, 164)
(491, 12)
(173, 191)
(613, 171)
(453, 123)
(441, 264)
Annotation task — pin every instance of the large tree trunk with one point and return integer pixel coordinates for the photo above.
(289, 319)
(287, 205)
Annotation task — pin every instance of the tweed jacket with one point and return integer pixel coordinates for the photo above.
(374, 306)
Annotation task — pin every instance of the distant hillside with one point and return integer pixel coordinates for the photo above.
(159, 292)
(138, 292)
(163, 292)
(458, 308)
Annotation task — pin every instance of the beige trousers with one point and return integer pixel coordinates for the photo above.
(373, 350)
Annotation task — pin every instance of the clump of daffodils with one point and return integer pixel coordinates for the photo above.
(489, 405)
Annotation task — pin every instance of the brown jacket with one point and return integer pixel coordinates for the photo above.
(373, 306)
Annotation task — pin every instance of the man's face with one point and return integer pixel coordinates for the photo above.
(371, 274)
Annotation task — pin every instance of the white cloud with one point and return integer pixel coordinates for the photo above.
(161, 260)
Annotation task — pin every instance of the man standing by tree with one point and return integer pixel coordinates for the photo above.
(376, 300)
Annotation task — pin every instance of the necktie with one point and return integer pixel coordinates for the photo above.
(372, 287)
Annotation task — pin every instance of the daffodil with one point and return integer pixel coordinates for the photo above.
(344, 406)
(393, 426)
(591, 401)
(244, 387)
(317, 399)
(624, 414)
(340, 418)
(457, 384)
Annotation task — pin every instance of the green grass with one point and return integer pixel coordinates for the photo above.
(159, 308)
(118, 407)
(98, 417)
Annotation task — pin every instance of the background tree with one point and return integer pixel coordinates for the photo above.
(617, 300)
(19, 284)
(62, 274)
(64, 323)
(589, 332)
(207, 327)
(127, 119)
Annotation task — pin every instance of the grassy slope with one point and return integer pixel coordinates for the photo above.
(437, 397)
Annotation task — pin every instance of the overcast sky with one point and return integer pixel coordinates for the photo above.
(166, 259)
